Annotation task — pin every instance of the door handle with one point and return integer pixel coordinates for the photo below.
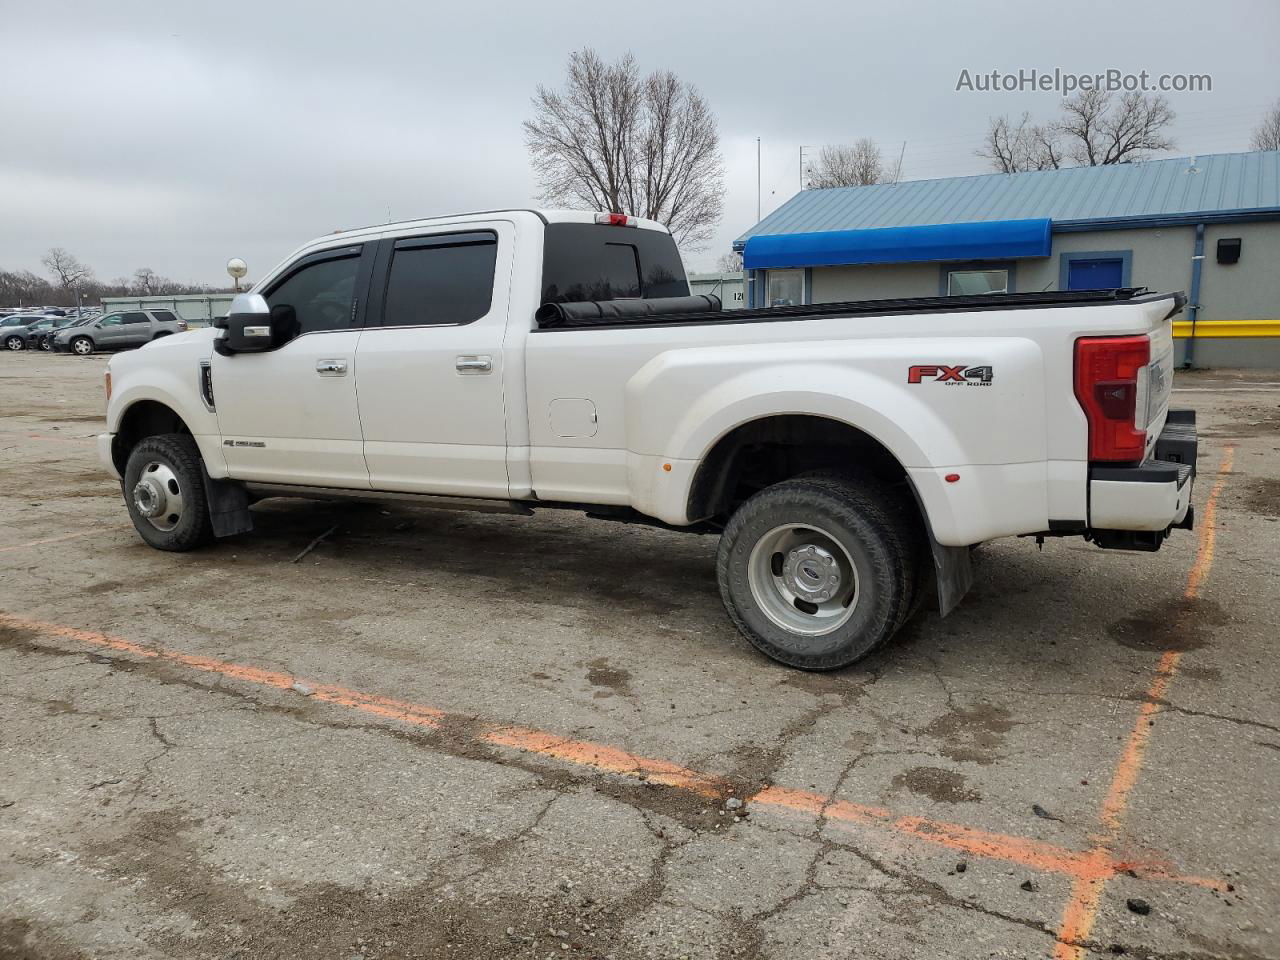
(331, 368)
(474, 364)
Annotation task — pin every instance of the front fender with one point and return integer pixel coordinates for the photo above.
(167, 371)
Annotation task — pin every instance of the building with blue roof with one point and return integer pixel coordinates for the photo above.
(1206, 225)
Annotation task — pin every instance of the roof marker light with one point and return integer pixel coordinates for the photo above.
(614, 220)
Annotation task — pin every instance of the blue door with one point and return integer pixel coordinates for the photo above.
(1101, 274)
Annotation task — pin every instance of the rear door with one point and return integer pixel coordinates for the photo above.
(430, 365)
(134, 330)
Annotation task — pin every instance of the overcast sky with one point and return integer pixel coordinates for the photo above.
(175, 134)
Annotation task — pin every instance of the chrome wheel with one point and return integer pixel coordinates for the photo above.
(157, 496)
(14, 343)
(46, 344)
(82, 347)
(802, 579)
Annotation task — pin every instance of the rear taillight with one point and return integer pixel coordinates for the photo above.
(182, 324)
(1110, 375)
(614, 220)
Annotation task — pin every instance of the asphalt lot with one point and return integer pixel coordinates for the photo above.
(456, 735)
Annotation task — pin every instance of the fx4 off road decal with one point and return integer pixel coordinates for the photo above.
(942, 373)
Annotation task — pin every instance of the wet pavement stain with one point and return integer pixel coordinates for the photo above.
(611, 679)
(972, 733)
(943, 786)
(1178, 625)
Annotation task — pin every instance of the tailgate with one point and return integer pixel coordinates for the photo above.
(1155, 383)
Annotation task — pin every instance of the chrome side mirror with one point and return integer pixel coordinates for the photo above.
(247, 325)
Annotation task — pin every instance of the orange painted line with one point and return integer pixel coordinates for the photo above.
(1081, 910)
(1027, 852)
(44, 540)
(607, 758)
(43, 436)
(411, 713)
(994, 846)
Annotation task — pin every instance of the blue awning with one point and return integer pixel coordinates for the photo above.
(985, 240)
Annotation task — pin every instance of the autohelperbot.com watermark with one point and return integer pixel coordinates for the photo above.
(1066, 82)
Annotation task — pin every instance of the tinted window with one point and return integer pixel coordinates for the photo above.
(440, 280)
(164, 315)
(135, 318)
(588, 261)
(321, 297)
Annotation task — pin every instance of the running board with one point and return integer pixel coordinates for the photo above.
(474, 504)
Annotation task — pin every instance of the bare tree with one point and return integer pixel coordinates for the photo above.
(729, 263)
(69, 272)
(838, 165)
(1095, 129)
(1266, 135)
(145, 281)
(618, 141)
(1101, 130)
(1013, 147)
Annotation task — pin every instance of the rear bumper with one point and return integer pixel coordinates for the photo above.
(1136, 507)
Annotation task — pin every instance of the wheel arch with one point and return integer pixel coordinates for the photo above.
(141, 419)
(775, 447)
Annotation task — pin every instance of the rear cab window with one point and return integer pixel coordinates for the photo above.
(590, 261)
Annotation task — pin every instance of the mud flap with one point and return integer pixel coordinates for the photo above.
(952, 567)
(955, 574)
(228, 506)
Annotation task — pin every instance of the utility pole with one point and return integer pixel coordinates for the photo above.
(757, 179)
(803, 147)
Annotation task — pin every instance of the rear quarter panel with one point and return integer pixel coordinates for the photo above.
(664, 395)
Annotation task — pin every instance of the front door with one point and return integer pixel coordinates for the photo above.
(109, 331)
(289, 415)
(430, 371)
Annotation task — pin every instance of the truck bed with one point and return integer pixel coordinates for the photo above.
(565, 316)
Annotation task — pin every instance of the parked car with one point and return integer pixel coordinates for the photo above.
(13, 329)
(848, 454)
(39, 332)
(117, 331)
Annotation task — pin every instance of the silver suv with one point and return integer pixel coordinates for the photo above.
(117, 331)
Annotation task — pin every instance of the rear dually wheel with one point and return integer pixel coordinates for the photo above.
(818, 571)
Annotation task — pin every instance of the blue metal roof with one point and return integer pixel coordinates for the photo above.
(1224, 186)
(985, 240)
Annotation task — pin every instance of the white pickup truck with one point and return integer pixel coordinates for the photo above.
(848, 454)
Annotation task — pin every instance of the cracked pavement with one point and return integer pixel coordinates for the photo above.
(523, 733)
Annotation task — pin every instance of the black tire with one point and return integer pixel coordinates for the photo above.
(179, 454)
(82, 351)
(876, 531)
(15, 343)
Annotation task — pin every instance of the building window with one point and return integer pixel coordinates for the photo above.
(785, 288)
(965, 283)
(1095, 270)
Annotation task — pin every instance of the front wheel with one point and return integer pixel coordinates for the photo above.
(14, 343)
(817, 572)
(46, 343)
(164, 490)
(82, 346)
